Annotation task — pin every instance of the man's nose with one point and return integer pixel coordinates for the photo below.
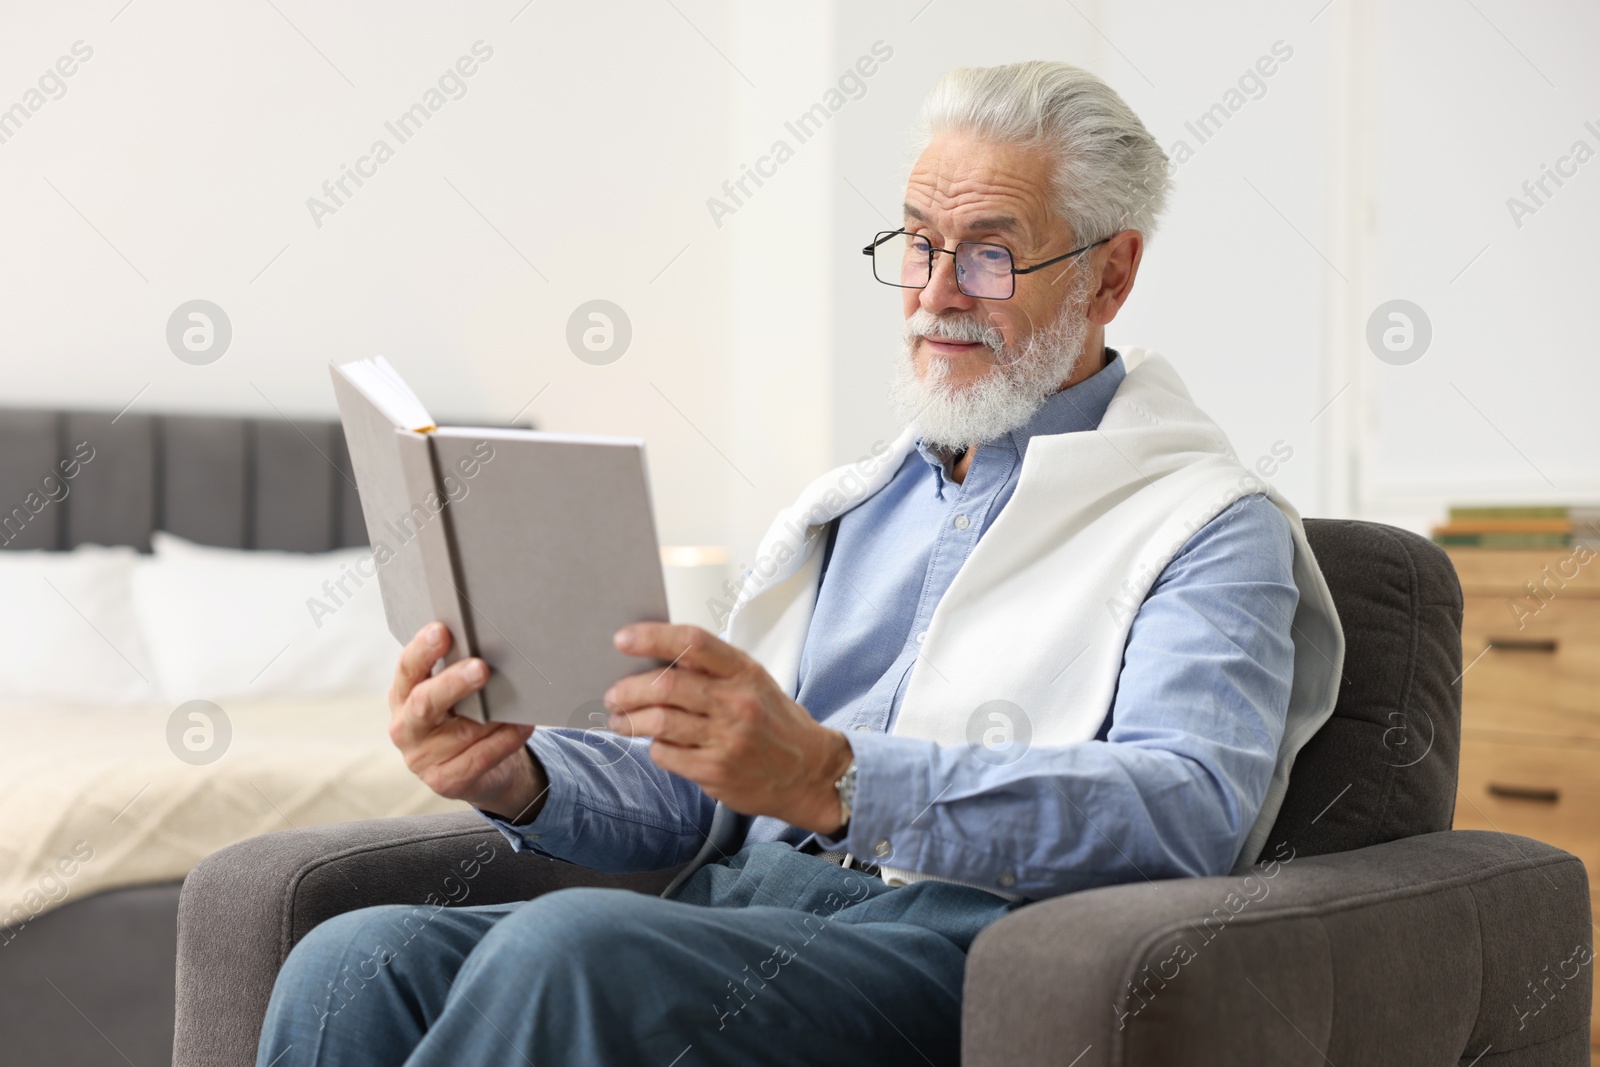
(942, 293)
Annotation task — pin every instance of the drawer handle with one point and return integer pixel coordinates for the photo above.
(1523, 792)
(1524, 644)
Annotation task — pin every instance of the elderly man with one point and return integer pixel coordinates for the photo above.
(1055, 637)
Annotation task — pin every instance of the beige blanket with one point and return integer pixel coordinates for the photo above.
(93, 799)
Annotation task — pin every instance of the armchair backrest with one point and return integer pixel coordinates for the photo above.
(1384, 766)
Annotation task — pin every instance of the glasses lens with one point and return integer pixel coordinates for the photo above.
(984, 270)
(901, 259)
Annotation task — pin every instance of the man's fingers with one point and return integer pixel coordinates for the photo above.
(488, 751)
(684, 761)
(459, 772)
(686, 689)
(683, 645)
(431, 700)
(672, 725)
(418, 657)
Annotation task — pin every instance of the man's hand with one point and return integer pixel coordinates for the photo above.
(718, 719)
(489, 765)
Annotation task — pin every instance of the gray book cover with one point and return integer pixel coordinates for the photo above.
(533, 548)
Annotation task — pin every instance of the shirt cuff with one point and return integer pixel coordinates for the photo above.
(897, 822)
(888, 770)
(550, 832)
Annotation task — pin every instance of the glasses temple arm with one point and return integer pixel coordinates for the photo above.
(882, 238)
(1058, 259)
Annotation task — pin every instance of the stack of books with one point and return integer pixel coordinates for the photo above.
(1538, 526)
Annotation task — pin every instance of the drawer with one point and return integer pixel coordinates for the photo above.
(1543, 677)
(1548, 791)
(1504, 572)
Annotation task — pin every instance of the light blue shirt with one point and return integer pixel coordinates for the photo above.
(1169, 787)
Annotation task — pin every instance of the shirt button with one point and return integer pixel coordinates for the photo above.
(921, 637)
(961, 522)
(862, 728)
(882, 848)
(896, 882)
(1007, 879)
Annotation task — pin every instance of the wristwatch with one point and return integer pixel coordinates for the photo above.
(846, 788)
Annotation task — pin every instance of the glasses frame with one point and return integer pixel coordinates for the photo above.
(885, 235)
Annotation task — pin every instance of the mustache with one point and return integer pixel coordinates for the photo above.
(959, 328)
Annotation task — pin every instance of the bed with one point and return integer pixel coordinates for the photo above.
(104, 809)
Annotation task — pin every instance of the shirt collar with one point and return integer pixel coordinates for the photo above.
(1073, 409)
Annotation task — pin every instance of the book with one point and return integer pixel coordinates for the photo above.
(533, 548)
(1484, 526)
(1520, 511)
(1503, 540)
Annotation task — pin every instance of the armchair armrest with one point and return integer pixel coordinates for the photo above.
(1430, 949)
(243, 908)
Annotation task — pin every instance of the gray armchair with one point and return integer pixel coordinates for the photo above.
(1371, 933)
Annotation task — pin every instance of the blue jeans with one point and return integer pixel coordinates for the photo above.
(773, 956)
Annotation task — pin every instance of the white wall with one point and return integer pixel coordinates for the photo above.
(1472, 103)
(780, 311)
(580, 163)
(192, 138)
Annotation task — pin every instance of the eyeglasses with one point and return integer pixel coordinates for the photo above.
(985, 271)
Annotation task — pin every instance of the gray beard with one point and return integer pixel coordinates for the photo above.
(1005, 399)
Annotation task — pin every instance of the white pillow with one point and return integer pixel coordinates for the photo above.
(68, 630)
(223, 623)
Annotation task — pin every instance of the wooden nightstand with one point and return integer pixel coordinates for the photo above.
(1530, 717)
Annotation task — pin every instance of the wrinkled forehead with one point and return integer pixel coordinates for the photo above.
(965, 188)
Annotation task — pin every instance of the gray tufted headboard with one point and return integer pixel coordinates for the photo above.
(230, 481)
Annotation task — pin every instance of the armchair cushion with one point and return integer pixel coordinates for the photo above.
(1417, 952)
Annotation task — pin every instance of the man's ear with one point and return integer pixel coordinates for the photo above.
(1118, 262)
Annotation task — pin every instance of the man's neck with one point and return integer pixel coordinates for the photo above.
(961, 464)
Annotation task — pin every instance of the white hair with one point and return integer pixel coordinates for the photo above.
(1109, 172)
